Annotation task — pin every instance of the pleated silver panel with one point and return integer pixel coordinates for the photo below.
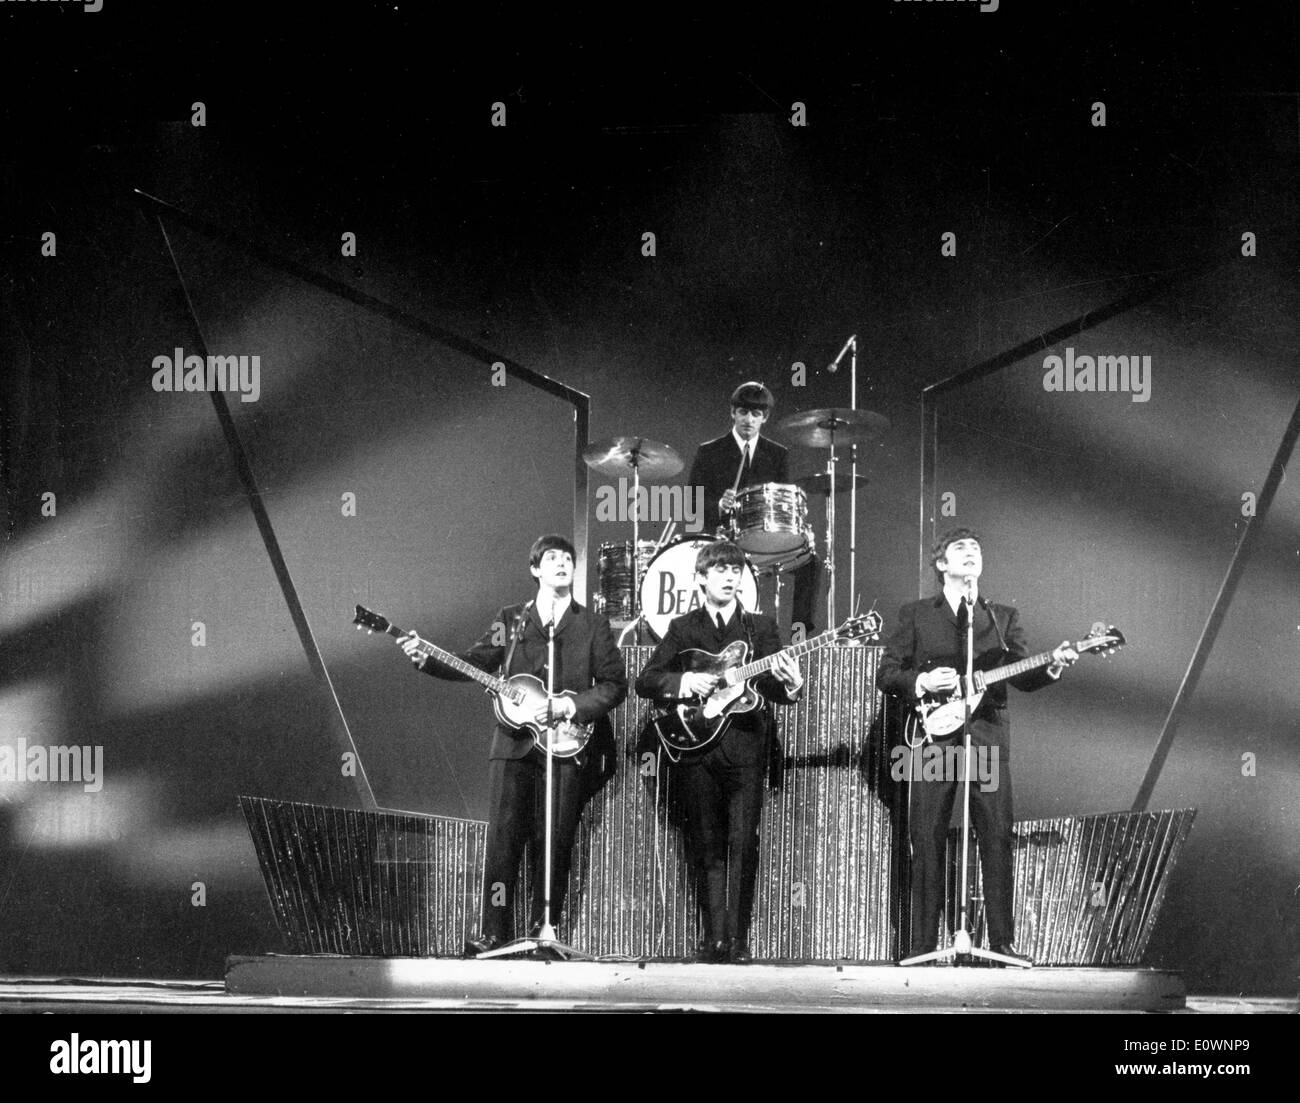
(829, 846)
(343, 881)
(1088, 889)
(831, 880)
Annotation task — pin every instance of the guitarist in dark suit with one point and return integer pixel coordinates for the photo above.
(723, 784)
(927, 655)
(589, 663)
(743, 458)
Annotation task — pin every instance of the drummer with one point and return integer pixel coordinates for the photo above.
(744, 458)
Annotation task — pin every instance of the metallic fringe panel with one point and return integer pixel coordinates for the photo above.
(1088, 889)
(829, 844)
(832, 864)
(383, 884)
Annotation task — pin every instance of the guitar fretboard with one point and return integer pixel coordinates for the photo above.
(751, 670)
(1021, 667)
(1092, 643)
(492, 681)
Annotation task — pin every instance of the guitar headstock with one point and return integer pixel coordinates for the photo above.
(864, 626)
(1103, 639)
(373, 622)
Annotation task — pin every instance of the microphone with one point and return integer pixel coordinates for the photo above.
(834, 366)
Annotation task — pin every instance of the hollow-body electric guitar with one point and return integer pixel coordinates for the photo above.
(941, 714)
(695, 723)
(515, 700)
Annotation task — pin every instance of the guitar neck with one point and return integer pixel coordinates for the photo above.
(494, 683)
(1002, 673)
(752, 670)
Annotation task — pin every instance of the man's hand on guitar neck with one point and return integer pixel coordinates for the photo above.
(1063, 656)
(787, 670)
(410, 643)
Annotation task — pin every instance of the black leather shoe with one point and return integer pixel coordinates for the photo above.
(711, 953)
(481, 944)
(1008, 950)
(738, 952)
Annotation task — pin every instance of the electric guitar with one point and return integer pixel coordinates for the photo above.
(515, 700)
(941, 714)
(695, 723)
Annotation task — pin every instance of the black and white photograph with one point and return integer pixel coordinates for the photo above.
(720, 513)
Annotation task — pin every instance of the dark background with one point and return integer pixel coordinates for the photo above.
(773, 244)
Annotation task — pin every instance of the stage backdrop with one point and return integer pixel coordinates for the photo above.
(141, 617)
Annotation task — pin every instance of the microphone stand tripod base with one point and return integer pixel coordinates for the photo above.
(543, 942)
(961, 948)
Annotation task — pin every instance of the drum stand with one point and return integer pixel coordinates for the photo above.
(545, 939)
(961, 946)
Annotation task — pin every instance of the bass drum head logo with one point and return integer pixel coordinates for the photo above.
(668, 588)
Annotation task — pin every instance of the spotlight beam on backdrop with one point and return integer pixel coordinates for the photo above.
(248, 481)
(1150, 289)
(580, 401)
(1245, 545)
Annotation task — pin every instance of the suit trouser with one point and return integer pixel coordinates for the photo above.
(517, 811)
(724, 799)
(929, 816)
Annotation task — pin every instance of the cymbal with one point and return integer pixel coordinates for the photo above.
(618, 455)
(820, 482)
(812, 428)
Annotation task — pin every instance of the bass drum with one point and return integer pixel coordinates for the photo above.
(668, 588)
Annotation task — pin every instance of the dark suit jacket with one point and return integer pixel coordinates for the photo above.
(927, 636)
(588, 662)
(745, 740)
(716, 464)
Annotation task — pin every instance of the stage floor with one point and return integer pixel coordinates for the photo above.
(282, 984)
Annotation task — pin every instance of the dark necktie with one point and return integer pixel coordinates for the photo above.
(721, 626)
(744, 470)
(963, 615)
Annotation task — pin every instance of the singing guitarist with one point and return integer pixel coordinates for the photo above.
(926, 655)
(722, 784)
(588, 664)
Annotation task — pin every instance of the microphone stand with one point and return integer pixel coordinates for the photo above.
(851, 343)
(853, 487)
(830, 535)
(961, 946)
(545, 939)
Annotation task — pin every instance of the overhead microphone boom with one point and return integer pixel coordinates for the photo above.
(852, 342)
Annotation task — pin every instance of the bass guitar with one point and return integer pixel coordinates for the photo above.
(515, 700)
(696, 722)
(942, 714)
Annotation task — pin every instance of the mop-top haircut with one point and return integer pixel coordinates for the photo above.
(543, 544)
(939, 549)
(719, 553)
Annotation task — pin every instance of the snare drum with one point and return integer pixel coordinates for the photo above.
(668, 587)
(772, 525)
(614, 578)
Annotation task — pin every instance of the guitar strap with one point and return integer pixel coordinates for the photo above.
(516, 634)
(994, 618)
(764, 707)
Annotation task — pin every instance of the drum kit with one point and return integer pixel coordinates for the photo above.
(770, 523)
